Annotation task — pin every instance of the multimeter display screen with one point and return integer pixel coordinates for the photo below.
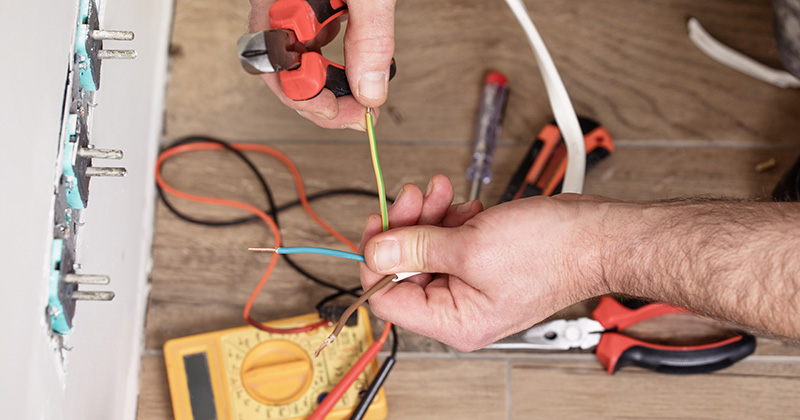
(200, 393)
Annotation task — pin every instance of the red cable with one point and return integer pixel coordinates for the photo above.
(338, 391)
(333, 397)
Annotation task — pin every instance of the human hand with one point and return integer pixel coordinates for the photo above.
(497, 271)
(368, 50)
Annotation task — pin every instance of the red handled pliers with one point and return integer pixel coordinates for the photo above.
(303, 73)
(615, 349)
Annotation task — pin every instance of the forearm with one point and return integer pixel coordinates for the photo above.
(732, 260)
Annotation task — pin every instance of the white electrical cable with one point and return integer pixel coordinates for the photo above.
(734, 59)
(562, 108)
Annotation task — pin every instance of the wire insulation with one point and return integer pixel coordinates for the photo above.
(338, 391)
(560, 103)
(273, 209)
(384, 282)
(376, 165)
(729, 57)
(319, 251)
(189, 147)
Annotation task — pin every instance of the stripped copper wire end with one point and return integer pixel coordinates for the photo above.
(384, 282)
(325, 343)
(261, 249)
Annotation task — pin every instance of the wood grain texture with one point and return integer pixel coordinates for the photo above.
(684, 126)
(154, 402)
(579, 390)
(627, 63)
(202, 276)
(447, 389)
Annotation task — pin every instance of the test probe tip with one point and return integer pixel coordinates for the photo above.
(261, 249)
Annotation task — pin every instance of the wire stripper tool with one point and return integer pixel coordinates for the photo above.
(614, 349)
(542, 170)
(281, 49)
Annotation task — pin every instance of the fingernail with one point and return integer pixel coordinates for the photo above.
(429, 189)
(387, 254)
(463, 208)
(372, 85)
(354, 126)
(399, 194)
(306, 114)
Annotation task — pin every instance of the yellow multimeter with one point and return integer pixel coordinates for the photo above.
(248, 374)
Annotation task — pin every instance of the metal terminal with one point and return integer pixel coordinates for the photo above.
(96, 171)
(268, 51)
(93, 295)
(560, 334)
(110, 35)
(87, 279)
(92, 153)
(116, 54)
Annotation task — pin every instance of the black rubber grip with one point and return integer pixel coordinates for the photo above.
(688, 362)
(336, 79)
(592, 159)
(323, 9)
(518, 179)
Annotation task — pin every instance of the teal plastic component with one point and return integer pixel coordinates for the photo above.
(72, 191)
(72, 124)
(58, 319)
(86, 67)
(84, 61)
(84, 10)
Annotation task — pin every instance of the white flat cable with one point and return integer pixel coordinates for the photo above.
(562, 108)
(734, 59)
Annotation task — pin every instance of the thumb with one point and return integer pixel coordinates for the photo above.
(368, 49)
(429, 249)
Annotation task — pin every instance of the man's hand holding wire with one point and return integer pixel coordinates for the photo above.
(368, 50)
(489, 284)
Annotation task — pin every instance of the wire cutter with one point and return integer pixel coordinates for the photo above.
(303, 73)
(615, 350)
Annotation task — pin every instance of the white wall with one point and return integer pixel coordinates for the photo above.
(98, 379)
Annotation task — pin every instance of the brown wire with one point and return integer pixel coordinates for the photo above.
(386, 281)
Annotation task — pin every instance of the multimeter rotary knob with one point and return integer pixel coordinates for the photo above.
(277, 372)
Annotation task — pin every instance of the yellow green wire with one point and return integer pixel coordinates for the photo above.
(377, 166)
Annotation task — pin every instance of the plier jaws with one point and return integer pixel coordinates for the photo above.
(614, 349)
(283, 50)
(268, 51)
(562, 334)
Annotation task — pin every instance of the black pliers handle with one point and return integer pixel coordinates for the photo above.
(616, 349)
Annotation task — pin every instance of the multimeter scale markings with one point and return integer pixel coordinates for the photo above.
(247, 374)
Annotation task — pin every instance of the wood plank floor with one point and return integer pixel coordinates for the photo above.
(683, 126)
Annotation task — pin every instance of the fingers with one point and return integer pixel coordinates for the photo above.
(372, 228)
(444, 309)
(368, 49)
(259, 15)
(325, 110)
(438, 196)
(406, 208)
(458, 214)
(404, 212)
(429, 249)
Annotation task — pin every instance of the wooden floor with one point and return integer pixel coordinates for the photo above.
(683, 126)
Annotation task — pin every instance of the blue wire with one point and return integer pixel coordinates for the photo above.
(321, 251)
